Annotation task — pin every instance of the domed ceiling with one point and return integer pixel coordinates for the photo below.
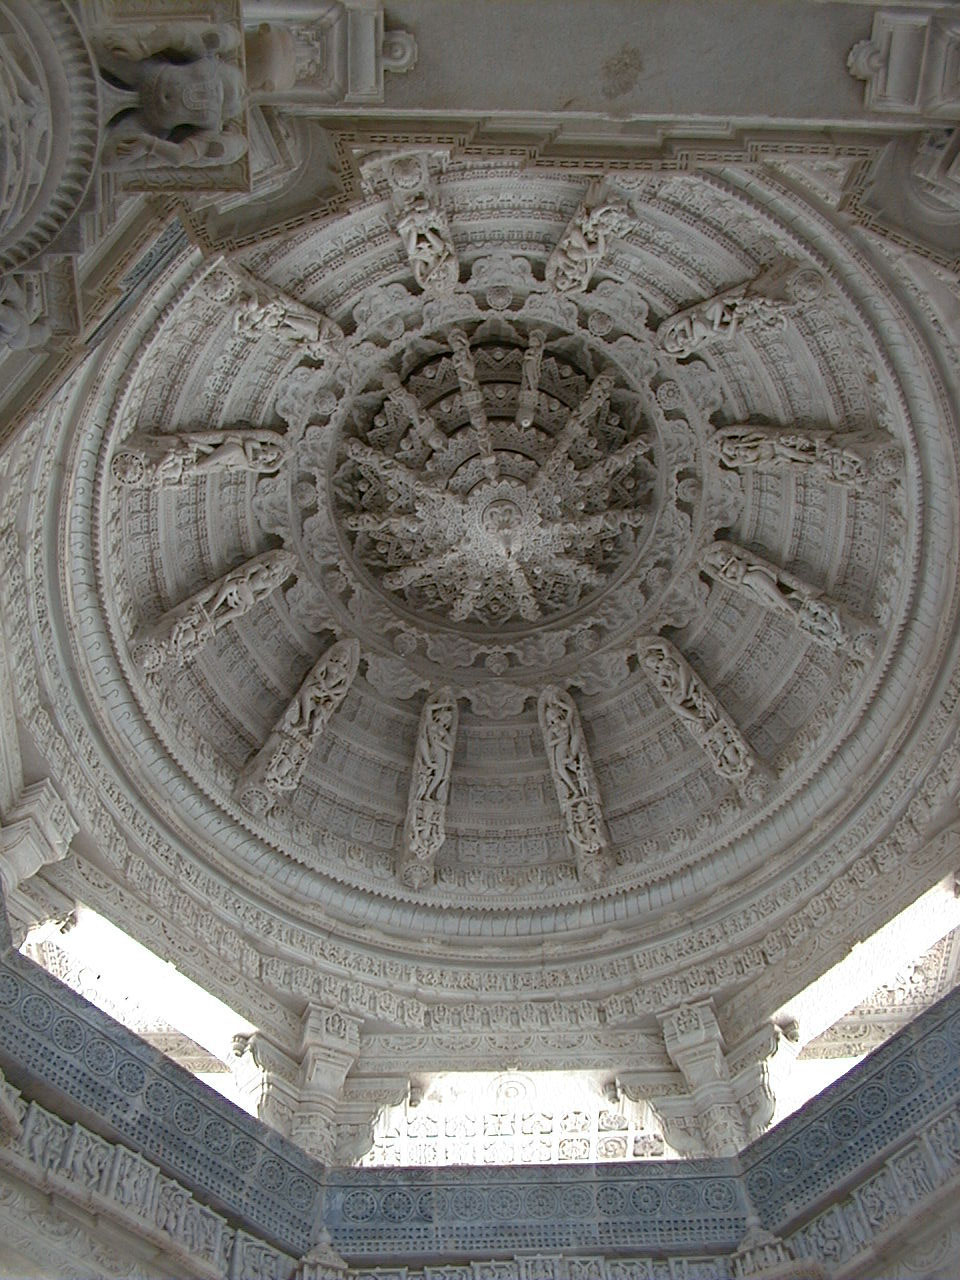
(515, 558)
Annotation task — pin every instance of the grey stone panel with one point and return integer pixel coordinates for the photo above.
(72, 1057)
(792, 1170)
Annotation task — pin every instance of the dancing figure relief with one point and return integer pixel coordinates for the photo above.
(425, 828)
(762, 303)
(700, 713)
(181, 633)
(277, 768)
(174, 459)
(320, 338)
(422, 226)
(851, 458)
(784, 593)
(574, 781)
(580, 249)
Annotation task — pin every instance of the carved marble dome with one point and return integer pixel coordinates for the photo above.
(687, 498)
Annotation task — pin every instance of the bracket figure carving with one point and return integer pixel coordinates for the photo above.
(701, 714)
(425, 828)
(175, 97)
(317, 336)
(852, 458)
(762, 303)
(580, 249)
(179, 635)
(420, 419)
(473, 398)
(176, 458)
(785, 593)
(528, 396)
(422, 225)
(278, 766)
(575, 782)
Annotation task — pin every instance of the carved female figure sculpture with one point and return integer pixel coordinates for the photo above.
(574, 781)
(424, 830)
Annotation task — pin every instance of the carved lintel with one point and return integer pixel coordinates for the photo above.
(700, 713)
(278, 766)
(425, 828)
(809, 610)
(35, 832)
(856, 459)
(764, 302)
(180, 634)
(580, 249)
(176, 458)
(575, 783)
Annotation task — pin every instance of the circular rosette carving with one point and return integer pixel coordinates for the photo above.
(497, 485)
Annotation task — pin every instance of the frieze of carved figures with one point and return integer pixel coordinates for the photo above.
(174, 95)
(176, 458)
(278, 766)
(574, 781)
(580, 249)
(852, 458)
(181, 633)
(320, 338)
(700, 713)
(762, 303)
(783, 592)
(425, 828)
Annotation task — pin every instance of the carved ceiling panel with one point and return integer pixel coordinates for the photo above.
(646, 449)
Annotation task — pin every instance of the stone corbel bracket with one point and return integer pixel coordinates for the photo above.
(906, 63)
(36, 831)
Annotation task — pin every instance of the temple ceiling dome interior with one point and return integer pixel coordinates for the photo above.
(646, 541)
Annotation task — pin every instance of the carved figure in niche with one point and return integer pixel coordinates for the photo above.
(691, 701)
(423, 228)
(175, 459)
(321, 338)
(581, 247)
(176, 102)
(20, 330)
(573, 780)
(278, 766)
(848, 458)
(424, 829)
(182, 632)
